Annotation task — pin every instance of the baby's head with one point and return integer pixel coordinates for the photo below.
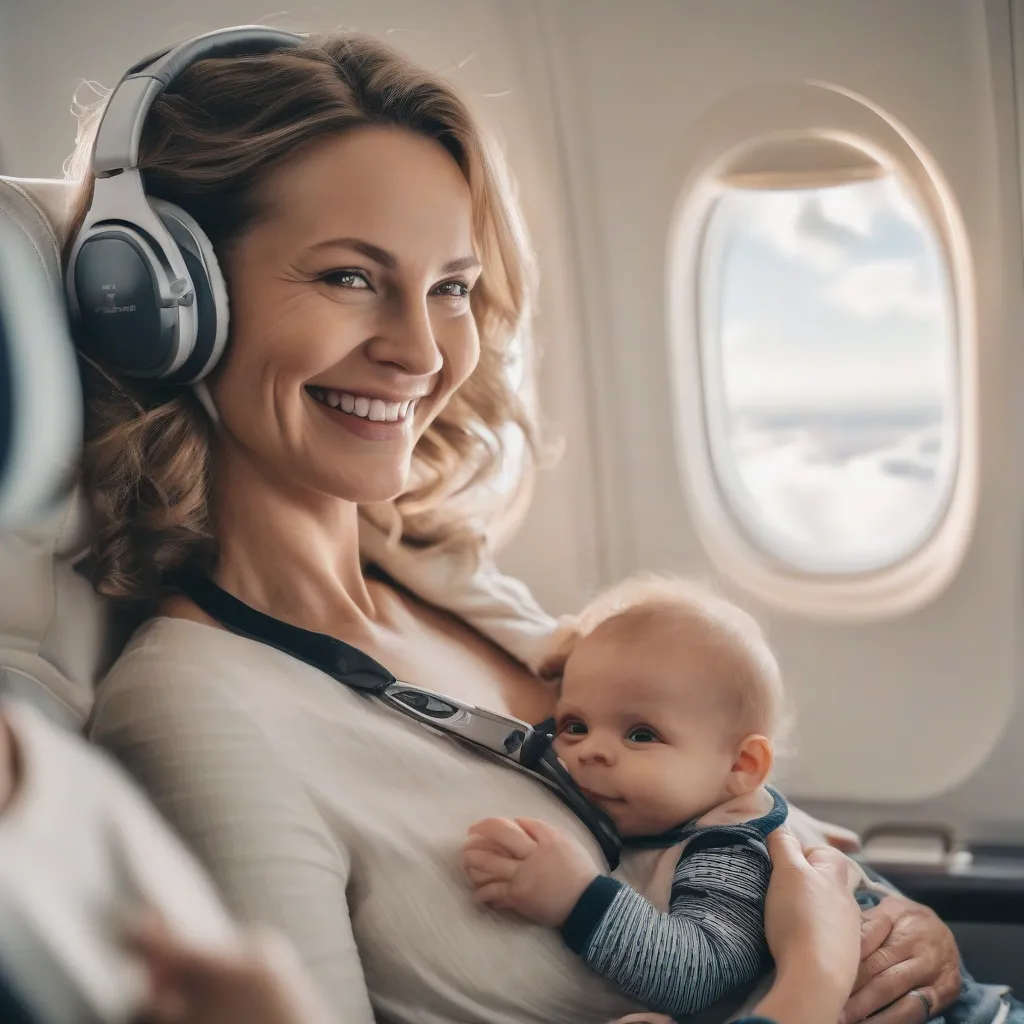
(670, 700)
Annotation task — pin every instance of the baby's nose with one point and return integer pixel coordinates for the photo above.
(595, 750)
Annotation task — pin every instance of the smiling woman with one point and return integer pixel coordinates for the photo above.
(332, 287)
(324, 309)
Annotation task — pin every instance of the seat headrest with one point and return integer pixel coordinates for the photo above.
(56, 634)
(38, 209)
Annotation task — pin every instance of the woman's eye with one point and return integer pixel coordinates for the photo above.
(572, 728)
(346, 279)
(453, 290)
(642, 734)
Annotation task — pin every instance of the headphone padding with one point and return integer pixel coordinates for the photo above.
(210, 288)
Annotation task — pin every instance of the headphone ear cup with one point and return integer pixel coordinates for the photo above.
(114, 283)
(210, 290)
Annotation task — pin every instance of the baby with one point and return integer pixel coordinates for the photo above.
(669, 705)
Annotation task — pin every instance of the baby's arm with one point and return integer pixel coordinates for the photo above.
(710, 943)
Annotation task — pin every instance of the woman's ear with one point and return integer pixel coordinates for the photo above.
(560, 645)
(752, 764)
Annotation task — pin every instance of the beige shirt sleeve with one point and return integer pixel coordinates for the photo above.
(204, 760)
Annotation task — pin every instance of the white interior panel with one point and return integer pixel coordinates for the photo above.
(901, 710)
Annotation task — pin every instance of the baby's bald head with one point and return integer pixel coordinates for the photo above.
(723, 646)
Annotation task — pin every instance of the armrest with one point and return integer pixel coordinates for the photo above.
(989, 888)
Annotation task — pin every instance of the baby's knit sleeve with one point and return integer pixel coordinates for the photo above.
(710, 943)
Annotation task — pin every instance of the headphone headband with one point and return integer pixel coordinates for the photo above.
(143, 282)
(120, 131)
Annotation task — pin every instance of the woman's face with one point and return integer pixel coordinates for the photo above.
(350, 317)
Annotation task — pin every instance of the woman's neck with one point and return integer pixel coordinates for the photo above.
(290, 553)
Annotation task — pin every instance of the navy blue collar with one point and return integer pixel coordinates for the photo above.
(761, 827)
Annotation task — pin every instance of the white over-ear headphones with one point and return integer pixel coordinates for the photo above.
(143, 284)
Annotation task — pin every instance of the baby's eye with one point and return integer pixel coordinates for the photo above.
(573, 728)
(642, 734)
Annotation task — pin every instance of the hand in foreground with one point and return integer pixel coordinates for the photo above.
(905, 949)
(527, 866)
(812, 921)
(262, 982)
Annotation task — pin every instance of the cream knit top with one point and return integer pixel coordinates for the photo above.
(339, 821)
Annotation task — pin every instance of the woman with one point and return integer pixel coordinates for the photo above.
(377, 272)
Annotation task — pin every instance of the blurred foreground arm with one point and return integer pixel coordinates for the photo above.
(262, 982)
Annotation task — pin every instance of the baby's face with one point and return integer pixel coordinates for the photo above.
(644, 731)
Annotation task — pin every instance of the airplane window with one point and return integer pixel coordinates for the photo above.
(829, 351)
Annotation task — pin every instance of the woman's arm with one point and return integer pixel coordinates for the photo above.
(798, 997)
(214, 774)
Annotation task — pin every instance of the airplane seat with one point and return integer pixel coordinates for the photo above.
(57, 636)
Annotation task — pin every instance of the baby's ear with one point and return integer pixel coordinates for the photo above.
(560, 645)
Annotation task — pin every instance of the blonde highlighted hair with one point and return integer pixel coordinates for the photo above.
(210, 146)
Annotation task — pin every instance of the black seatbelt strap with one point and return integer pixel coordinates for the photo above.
(521, 745)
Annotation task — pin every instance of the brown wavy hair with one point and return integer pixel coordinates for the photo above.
(210, 145)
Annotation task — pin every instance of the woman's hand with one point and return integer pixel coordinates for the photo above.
(812, 921)
(905, 948)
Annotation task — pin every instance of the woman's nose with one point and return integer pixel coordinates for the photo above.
(408, 341)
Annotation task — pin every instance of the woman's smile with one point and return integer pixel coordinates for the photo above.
(370, 417)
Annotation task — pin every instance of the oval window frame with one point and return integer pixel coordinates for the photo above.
(718, 231)
(727, 131)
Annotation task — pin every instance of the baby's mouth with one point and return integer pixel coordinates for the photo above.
(600, 798)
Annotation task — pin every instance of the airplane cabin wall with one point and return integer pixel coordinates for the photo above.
(897, 718)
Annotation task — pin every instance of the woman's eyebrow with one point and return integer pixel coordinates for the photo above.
(387, 259)
(462, 263)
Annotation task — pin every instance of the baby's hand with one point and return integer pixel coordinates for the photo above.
(527, 866)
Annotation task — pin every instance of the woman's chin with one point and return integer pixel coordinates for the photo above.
(372, 489)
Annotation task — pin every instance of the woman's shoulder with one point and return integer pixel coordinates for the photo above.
(175, 672)
(165, 649)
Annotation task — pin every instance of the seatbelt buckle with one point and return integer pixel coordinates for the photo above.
(500, 734)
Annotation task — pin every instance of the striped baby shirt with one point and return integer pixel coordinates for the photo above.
(709, 944)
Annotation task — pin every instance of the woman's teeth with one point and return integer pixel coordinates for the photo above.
(367, 408)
